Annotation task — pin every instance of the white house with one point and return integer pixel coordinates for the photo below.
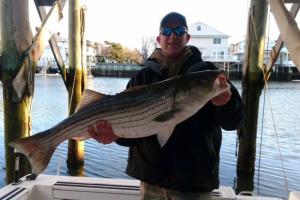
(284, 60)
(212, 43)
(47, 59)
(91, 52)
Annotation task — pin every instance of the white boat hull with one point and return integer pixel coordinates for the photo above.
(50, 187)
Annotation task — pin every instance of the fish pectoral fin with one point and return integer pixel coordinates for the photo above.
(164, 135)
(88, 97)
(166, 116)
(169, 119)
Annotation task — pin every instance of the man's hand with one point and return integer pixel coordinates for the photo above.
(224, 97)
(104, 133)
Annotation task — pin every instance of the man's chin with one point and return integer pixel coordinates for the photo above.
(173, 54)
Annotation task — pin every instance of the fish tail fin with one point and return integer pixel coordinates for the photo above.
(37, 150)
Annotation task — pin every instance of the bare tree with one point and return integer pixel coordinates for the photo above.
(148, 45)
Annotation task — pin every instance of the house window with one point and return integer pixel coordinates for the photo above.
(221, 54)
(218, 54)
(198, 28)
(217, 40)
(289, 57)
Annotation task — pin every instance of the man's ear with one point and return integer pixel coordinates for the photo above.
(158, 39)
(188, 36)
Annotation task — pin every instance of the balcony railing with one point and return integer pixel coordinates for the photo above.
(221, 58)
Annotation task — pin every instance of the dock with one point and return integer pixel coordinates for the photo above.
(114, 69)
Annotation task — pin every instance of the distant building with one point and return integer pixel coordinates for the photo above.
(98, 48)
(90, 53)
(283, 60)
(212, 43)
(47, 60)
(283, 70)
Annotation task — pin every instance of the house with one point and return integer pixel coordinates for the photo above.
(91, 52)
(283, 70)
(283, 60)
(47, 61)
(212, 43)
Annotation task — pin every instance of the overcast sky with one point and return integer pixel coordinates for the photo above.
(127, 22)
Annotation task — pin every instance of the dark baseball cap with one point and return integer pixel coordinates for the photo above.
(171, 18)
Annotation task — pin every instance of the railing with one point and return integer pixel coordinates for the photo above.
(115, 69)
(232, 67)
(220, 58)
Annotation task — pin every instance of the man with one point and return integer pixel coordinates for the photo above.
(187, 167)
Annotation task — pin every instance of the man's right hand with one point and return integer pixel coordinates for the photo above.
(104, 133)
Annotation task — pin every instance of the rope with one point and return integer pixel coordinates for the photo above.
(263, 112)
(72, 91)
(28, 101)
(254, 29)
(278, 146)
(261, 138)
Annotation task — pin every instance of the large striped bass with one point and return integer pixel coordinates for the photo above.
(137, 112)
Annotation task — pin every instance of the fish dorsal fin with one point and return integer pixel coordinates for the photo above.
(88, 97)
(138, 87)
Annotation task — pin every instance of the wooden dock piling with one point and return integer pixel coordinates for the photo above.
(252, 84)
(76, 78)
(16, 39)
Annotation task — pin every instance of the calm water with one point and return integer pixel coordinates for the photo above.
(281, 118)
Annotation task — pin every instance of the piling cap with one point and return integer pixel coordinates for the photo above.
(173, 18)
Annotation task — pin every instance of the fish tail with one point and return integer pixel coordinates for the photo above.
(37, 149)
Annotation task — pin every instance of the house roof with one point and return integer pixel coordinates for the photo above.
(205, 31)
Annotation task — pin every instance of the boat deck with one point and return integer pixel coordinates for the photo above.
(49, 187)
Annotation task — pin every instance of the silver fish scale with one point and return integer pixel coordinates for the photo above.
(123, 113)
(144, 113)
(128, 112)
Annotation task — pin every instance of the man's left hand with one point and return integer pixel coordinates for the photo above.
(224, 97)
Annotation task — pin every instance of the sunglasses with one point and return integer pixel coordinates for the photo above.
(179, 31)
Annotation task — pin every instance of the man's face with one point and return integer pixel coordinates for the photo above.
(172, 45)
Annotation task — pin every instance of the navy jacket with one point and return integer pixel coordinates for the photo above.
(190, 159)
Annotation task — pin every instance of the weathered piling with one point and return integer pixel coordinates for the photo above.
(252, 85)
(16, 39)
(279, 42)
(83, 10)
(19, 57)
(75, 80)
